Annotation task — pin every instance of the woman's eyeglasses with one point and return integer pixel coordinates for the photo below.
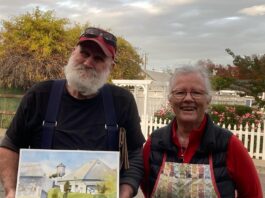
(179, 95)
(95, 32)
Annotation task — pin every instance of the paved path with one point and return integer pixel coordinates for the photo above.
(262, 180)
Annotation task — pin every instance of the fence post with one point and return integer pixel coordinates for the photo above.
(258, 145)
(144, 125)
(251, 140)
(263, 142)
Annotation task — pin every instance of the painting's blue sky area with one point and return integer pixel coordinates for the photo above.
(72, 159)
(169, 32)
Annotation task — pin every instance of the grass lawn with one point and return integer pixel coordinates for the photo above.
(11, 91)
(9, 102)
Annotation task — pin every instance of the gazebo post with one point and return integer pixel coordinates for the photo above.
(138, 83)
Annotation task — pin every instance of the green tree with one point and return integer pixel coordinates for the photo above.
(34, 46)
(222, 76)
(251, 77)
(219, 82)
(128, 62)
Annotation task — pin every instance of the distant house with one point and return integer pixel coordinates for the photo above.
(86, 178)
(159, 79)
(34, 180)
(156, 76)
(157, 91)
(231, 97)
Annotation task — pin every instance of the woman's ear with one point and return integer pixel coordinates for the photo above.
(209, 99)
(170, 102)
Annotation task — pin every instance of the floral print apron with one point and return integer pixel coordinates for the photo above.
(182, 180)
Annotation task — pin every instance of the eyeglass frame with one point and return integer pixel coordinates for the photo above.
(107, 36)
(185, 93)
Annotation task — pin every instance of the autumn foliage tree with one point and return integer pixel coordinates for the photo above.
(34, 47)
(128, 62)
(251, 78)
(222, 76)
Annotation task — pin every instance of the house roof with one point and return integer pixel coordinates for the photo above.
(34, 170)
(157, 76)
(92, 170)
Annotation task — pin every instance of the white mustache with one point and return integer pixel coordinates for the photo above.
(85, 68)
(90, 70)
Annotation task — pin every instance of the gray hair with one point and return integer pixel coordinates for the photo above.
(187, 69)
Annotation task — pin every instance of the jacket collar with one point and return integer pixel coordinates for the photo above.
(208, 140)
(204, 134)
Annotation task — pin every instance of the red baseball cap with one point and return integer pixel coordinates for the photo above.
(104, 39)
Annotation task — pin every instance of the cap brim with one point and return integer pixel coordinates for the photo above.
(99, 42)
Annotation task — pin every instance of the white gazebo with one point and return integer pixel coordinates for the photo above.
(136, 83)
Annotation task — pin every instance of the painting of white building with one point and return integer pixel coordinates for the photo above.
(43, 172)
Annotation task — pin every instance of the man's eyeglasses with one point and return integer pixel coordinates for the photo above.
(95, 32)
(179, 95)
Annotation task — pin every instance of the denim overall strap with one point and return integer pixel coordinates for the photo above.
(50, 121)
(110, 117)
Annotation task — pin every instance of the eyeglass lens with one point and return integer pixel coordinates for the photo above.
(182, 94)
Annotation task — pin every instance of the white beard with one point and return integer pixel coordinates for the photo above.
(86, 81)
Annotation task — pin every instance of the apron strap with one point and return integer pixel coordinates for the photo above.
(159, 173)
(212, 175)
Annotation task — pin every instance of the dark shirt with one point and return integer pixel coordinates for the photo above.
(80, 125)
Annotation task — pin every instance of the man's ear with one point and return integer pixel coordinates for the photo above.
(112, 65)
(73, 50)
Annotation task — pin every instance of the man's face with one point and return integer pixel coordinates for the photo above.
(189, 99)
(88, 68)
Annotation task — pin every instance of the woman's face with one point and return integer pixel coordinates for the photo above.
(189, 99)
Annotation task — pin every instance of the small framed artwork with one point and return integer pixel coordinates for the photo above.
(67, 173)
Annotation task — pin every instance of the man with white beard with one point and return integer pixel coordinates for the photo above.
(81, 118)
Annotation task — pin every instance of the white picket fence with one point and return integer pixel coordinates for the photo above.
(252, 137)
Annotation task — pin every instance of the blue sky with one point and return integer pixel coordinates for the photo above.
(169, 32)
(72, 159)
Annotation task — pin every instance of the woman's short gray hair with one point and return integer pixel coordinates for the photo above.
(187, 69)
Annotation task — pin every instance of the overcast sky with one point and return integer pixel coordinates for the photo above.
(169, 32)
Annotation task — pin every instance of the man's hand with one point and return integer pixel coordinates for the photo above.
(126, 191)
(10, 194)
